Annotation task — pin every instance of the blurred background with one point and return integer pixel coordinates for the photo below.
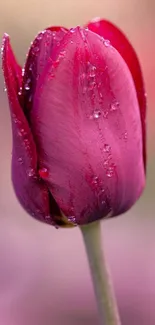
(44, 276)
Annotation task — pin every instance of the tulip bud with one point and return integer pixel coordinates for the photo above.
(78, 123)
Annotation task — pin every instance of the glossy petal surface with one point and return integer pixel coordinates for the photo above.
(110, 32)
(31, 192)
(40, 50)
(86, 124)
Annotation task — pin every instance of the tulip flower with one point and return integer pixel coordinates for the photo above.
(78, 124)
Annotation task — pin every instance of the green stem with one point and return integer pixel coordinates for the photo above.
(100, 275)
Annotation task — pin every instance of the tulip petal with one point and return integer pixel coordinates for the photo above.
(40, 50)
(87, 129)
(15, 69)
(110, 32)
(31, 192)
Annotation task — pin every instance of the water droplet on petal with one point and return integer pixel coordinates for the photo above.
(35, 49)
(125, 136)
(23, 71)
(114, 106)
(26, 142)
(31, 172)
(30, 68)
(22, 132)
(92, 85)
(96, 114)
(106, 162)
(43, 172)
(105, 114)
(95, 180)
(92, 70)
(20, 91)
(72, 219)
(20, 160)
(107, 42)
(107, 148)
(27, 86)
(110, 171)
(5, 89)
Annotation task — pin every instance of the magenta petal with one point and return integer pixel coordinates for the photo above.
(120, 42)
(40, 50)
(14, 69)
(31, 192)
(86, 123)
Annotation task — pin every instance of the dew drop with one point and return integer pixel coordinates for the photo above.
(23, 71)
(110, 171)
(96, 114)
(114, 106)
(125, 135)
(43, 172)
(106, 162)
(20, 91)
(5, 89)
(92, 85)
(101, 198)
(71, 42)
(72, 30)
(92, 71)
(105, 114)
(22, 132)
(26, 142)
(30, 68)
(54, 34)
(35, 49)
(27, 87)
(72, 219)
(31, 172)
(62, 54)
(107, 148)
(107, 42)
(95, 180)
(20, 160)
(2, 49)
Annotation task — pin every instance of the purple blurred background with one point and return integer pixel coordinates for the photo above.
(44, 276)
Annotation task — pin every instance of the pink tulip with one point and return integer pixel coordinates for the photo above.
(78, 122)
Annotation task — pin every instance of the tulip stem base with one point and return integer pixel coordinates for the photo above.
(100, 274)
